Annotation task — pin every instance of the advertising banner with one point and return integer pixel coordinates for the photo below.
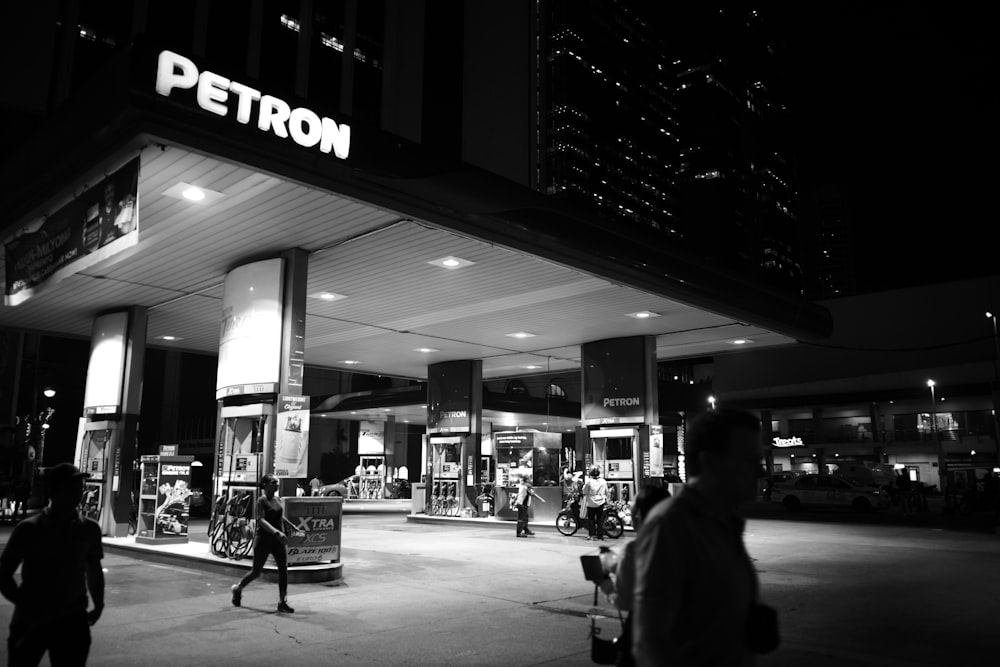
(655, 452)
(617, 386)
(98, 224)
(291, 437)
(371, 438)
(250, 340)
(313, 529)
(173, 498)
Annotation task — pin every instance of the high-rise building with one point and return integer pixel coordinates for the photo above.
(669, 118)
(828, 255)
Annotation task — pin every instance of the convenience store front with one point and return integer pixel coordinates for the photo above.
(390, 260)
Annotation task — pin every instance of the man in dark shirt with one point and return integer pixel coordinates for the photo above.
(694, 581)
(59, 553)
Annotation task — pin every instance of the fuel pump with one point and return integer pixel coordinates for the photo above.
(240, 459)
(446, 475)
(622, 455)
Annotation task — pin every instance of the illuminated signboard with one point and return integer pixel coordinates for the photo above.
(305, 127)
(787, 442)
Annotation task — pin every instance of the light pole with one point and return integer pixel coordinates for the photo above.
(942, 472)
(711, 402)
(995, 387)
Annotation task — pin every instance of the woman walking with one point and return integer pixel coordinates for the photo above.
(595, 493)
(269, 540)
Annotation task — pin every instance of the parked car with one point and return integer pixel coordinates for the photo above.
(828, 491)
(345, 488)
(783, 477)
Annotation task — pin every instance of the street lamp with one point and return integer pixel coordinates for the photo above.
(49, 392)
(942, 472)
(711, 402)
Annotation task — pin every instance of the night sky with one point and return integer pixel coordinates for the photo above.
(899, 104)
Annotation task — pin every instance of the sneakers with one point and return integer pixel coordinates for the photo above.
(521, 535)
(528, 532)
(237, 595)
(284, 608)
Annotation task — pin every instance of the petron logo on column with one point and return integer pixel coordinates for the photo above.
(304, 126)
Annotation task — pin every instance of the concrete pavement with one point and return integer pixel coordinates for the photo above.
(415, 594)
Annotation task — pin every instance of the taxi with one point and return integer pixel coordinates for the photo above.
(828, 491)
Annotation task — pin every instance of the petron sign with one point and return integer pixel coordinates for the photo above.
(794, 441)
(269, 113)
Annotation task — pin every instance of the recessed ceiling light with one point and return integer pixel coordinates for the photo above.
(424, 407)
(521, 334)
(193, 193)
(350, 362)
(169, 338)
(406, 421)
(387, 409)
(643, 315)
(451, 262)
(425, 350)
(532, 367)
(740, 341)
(327, 296)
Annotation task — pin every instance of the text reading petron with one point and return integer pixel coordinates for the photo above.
(305, 127)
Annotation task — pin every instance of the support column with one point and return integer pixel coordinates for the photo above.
(455, 408)
(766, 434)
(111, 408)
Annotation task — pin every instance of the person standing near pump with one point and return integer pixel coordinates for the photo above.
(270, 540)
(525, 491)
(595, 494)
(60, 554)
(314, 484)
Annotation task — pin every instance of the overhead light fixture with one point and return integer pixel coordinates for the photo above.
(425, 350)
(521, 334)
(350, 362)
(193, 193)
(643, 315)
(451, 262)
(532, 367)
(168, 338)
(327, 296)
(48, 392)
(740, 341)
(387, 409)
(424, 407)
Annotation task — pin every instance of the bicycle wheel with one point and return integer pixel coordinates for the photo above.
(566, 523)
(613, 526)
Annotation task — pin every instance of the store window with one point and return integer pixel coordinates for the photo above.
(555, 390)
(516, 388)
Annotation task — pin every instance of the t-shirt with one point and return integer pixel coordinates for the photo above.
(270, 511)
(53, 554)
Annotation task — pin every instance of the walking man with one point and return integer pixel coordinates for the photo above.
(525, 491)
(60, 554)
(695, 592)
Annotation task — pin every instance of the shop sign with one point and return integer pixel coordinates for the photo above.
(794, 441)
(269, 113)
(106, 367)
(454, 397)
(96, 225)
(616, 381)
(291, 437)
(312, 526)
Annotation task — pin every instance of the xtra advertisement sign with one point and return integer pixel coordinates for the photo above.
(98, 224)
(312, 526)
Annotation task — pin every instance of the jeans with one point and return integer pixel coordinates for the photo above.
(595, 521)
(522, 520)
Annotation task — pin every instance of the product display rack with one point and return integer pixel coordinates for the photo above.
(155, 525)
